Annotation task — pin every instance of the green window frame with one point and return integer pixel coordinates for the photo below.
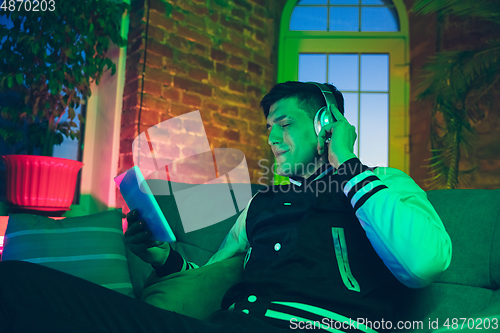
(395, 44)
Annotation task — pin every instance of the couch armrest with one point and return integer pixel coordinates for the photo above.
(486, 320)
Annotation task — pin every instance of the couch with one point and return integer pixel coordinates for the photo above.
(468, 289)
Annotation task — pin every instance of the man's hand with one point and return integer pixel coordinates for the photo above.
(342, 137)
(138, 239)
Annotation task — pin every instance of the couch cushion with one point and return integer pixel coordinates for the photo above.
(90, 247)
(469, 287)
(139, 271)
(195, 292)
(442, 301)
(472, 219)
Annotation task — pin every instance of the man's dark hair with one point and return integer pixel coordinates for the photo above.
(308, 96)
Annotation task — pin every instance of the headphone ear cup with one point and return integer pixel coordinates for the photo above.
(326, 117)
(321, 119)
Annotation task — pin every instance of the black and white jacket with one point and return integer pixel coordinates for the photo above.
(336, 245)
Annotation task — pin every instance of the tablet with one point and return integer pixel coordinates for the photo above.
(142, 199)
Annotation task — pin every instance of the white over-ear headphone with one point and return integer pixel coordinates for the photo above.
(324, 116)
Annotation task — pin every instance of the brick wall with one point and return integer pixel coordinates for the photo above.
(457, 34)
(219, 57)
(213, 56)
(422, 45)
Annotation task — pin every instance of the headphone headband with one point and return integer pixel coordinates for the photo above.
(324, 115)
(327, 93)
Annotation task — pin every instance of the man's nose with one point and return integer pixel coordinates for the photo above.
(274, 136)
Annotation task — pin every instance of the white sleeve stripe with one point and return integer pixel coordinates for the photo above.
(192, 265)
(365, 191)
(357, 179)
(184, 264)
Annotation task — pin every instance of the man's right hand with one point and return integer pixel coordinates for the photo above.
(138, 239)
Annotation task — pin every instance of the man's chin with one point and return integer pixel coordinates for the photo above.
(287, 169)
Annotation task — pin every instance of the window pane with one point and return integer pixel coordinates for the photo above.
(344, 18)
(343, 71)
(374, 129)
(344, 2)
(374, 72)
(351, 113)
(312, 67)
(379, 19)
(377, 2)
(309, 18)
(69, 148)
(312, 2)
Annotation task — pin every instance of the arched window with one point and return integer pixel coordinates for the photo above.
(344, 15)
(361, 47)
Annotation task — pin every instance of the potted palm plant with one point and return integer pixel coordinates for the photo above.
(48, 60)
(460, 85)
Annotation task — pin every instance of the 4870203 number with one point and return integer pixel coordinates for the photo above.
(471, 323)
(28, 5)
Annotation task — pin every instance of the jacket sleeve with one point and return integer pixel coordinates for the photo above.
(401, 224)
(174, 263)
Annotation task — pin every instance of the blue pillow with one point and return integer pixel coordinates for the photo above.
(90, 247)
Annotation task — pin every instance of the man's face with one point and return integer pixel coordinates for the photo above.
(293, 139)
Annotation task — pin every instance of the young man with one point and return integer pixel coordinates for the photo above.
(333, 246)
(340, 240)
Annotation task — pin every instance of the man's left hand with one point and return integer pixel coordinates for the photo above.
(342, 137)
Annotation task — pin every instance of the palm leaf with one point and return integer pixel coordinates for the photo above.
(457, 81)
(487, 9)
